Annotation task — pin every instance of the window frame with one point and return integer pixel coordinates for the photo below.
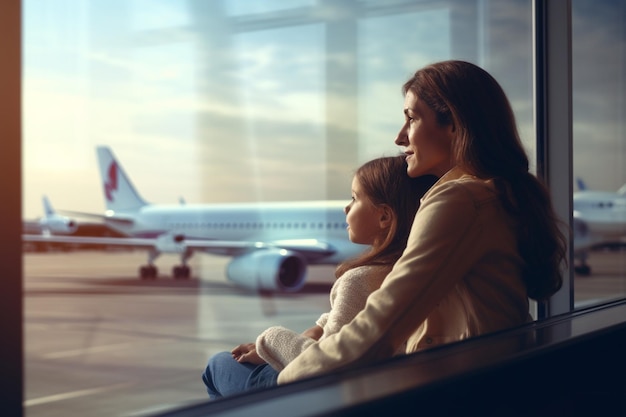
(552, 102)
(11, 318)
(552, 79)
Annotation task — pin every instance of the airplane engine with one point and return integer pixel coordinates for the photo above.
(269, 270)
(59, 225)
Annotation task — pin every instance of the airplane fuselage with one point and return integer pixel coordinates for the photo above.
(603, 212)
(599, 218)
(263, 222)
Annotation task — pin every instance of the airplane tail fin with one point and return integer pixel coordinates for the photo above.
(119, 193)
(47, 207)
(581, 184)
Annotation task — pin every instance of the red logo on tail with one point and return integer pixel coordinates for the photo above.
(111, 184)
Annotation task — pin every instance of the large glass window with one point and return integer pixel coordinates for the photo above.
(599, 134)
(250, 101)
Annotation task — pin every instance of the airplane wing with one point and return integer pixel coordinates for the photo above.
(88, 240)
(118, 218)
(271, 266)
(311, 249)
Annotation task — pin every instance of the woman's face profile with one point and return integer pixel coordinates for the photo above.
(427, 144)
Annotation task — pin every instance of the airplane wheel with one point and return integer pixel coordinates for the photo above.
(181, 272)
(583, 270)
(148, 272)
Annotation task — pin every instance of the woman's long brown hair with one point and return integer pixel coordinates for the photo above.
(488, 146)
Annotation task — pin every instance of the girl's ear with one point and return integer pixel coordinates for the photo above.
(386, 216)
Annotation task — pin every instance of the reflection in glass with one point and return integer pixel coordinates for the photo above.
(280, 75)
(386, 54)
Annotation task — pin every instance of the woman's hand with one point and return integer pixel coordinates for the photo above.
(246, 353)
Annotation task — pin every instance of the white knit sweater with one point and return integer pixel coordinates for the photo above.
(278, 346)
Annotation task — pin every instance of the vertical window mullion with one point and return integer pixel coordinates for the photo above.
(552, 80)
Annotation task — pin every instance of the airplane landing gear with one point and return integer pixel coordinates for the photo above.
(181, 272)
(582, 270)
(148, 272)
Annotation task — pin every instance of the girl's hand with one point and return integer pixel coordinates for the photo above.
(246, 353)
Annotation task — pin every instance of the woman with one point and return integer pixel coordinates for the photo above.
(484, 240)
(383, 206)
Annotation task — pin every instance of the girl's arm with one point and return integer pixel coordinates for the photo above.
(279, 346)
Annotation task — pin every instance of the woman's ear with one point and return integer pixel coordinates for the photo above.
(386, 216)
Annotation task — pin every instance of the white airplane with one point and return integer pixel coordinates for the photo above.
(271, 243)
(54, 223)
(599, 218)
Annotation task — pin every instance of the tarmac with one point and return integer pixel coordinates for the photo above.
(98, 341)
(101, 342)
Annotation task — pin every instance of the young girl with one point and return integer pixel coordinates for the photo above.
(384, 203)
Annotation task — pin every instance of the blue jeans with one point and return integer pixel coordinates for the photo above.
(225, 376)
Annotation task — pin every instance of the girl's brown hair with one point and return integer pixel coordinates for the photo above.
(385, 182)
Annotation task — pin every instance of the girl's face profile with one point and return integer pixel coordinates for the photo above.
(363, 217)
(427, 144)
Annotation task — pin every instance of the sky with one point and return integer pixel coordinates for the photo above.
(259, 101)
